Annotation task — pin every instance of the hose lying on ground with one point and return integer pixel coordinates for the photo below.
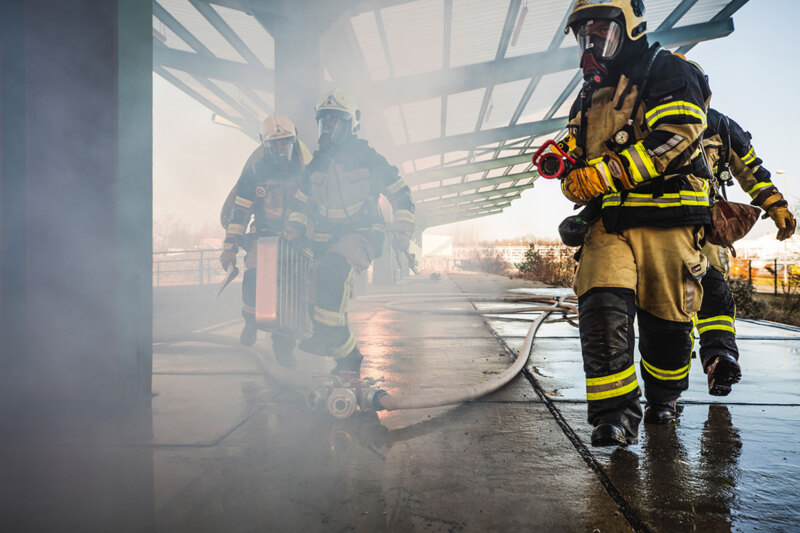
(381, 399)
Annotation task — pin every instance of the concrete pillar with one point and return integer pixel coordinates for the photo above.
(76, 206)
(298, 71)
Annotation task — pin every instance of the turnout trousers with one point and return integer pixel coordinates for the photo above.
(715, 319)
(652, 273)
(338, 266)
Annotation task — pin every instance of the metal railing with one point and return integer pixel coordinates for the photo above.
(766, 275)
(187, 267)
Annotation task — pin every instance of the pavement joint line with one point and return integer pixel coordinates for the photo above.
(217, 326)
(628, 512)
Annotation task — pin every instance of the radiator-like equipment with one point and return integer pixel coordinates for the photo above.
(282, 287)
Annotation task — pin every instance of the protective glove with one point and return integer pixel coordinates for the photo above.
(228, 259)
(401, 240)
(784, 221)
(293, 231)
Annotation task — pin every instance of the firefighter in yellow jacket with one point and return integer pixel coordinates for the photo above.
(637, 127)
(336, 206)
(263, 193)
(731, 155)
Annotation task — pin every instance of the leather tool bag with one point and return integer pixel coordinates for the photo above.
(730, 221)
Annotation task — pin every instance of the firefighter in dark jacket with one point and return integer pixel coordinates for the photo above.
(336, 207)
(730, 155)
(263, 193)
(636, 127)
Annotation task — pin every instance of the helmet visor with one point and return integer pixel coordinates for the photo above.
(280, 149)
(332, 127)
(602, 37)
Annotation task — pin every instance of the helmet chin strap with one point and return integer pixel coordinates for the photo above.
(592, 71)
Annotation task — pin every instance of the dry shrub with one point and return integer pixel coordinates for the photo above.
(552, 264)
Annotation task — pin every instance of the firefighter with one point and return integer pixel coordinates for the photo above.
(730, 155)
(636, 127)
(265, 189)
(336, 206)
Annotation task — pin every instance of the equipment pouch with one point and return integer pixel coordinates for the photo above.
(730, 221)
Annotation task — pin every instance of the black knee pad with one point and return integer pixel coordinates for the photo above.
(717, 297)
(332, 274)
(249, 287)
(666, 347)
(606, 330)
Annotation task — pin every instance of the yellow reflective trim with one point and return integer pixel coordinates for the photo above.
(247, 309)
(750, 156)
(243, 202)
(227, 246)
(717, 327)
(403, 215)
(329, 318)
(340, 213)
(300, 218)
(321, 237)
(396, 186)
(593, 396)
(678, 107)
(300, 196)
(235, 229)
(639, 162)
(760, 185)
(604, 380)
(666, 375)
(723, 318)
(345, 349)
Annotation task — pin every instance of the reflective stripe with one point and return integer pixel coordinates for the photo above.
(760, 185)
(300, 218)
(247, 309)
(348, 211)
(329, 318)
(639, 163)
(235, 229)
(720, 323)
(611, 386)
(300, 196)
(678, 107)
(321, 237)
(243, 202)
(396, 186)
(647, 200)
(404, 215)
(666, 375)
(227, 246)
(750, 156)
(345, 349)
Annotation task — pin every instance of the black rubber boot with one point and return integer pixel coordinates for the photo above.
(317, 344)
(350, 365)
(723, 372)
(661, 413)
(282, 347)
(249, 334)
(611, 435)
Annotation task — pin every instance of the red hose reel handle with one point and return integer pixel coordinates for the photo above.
(557, 153)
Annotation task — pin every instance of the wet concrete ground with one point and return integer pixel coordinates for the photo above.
(232, 450)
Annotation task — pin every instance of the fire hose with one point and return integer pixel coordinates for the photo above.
(344, 395)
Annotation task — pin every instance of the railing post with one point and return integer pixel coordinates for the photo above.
(775, 275)
(158, 273)
(201, 267)
(750, 271)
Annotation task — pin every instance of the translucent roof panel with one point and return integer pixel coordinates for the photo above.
(258, 40)
(462, 111)
(549, 88)
(415, 31)
(257, 109)
(395, 121)
(503, 103)
(702, 11)
(269, 98)
(169, 37)
(423, 119)
(198, 26)
(476, 30)
(204, 92)
(657, 11)
(542, 23)
(366, 30)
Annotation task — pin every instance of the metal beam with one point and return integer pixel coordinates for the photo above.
(466, 78)
(725, 13)
(457, 200)
(483, 204)
(461, 218)
(239, 74)
(440, 173)
(444, 190)
(467, 141)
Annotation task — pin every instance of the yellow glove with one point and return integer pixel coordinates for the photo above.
(784, 221)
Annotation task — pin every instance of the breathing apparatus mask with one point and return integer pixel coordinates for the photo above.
(600, 42)
(334, 127)
(280, 150)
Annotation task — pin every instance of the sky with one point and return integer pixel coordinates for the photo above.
(753, 75)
